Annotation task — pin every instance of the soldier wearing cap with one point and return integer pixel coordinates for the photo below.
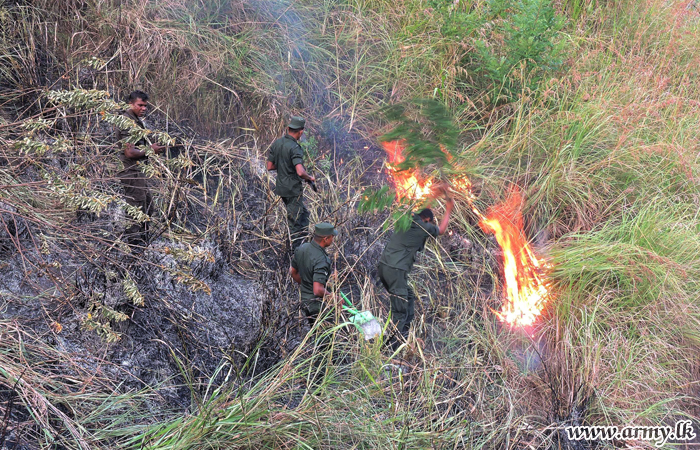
(397, 261)
(287, 157)
(133, 155)
(311, 268)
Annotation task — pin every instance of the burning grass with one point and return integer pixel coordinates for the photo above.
(525, 288)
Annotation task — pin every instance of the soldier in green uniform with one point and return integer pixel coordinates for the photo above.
(397, 261)
(311, 268)
(135, 182)
(287, 157)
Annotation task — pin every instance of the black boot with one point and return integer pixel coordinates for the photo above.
(396, 339)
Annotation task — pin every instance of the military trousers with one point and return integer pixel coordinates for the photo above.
(311, 309)
(136, 194)
(298, 219)
(401, 296)
(321, 342)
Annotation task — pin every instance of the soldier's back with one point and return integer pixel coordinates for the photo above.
(285, 154)
(401, 250)
(313, 264)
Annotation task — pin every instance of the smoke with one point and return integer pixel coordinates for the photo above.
(298, 72)
(300, 69)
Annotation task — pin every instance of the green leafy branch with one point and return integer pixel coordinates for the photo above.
(429, 138)
(427, 131)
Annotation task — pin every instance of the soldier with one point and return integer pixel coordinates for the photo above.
(287, 157)
(310, 269)
(134, 180)
(397, 261)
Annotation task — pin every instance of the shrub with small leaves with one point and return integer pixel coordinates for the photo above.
(132, 291)
(75, 185)
(529, 30)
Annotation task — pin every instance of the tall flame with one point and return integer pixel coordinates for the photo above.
(525, 287)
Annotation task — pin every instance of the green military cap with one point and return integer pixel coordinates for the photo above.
(325, 229)
(296, 123)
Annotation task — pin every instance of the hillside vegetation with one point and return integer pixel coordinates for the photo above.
(590, 108)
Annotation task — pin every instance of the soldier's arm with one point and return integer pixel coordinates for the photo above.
(320, 290)
(159, 148)
(271, 158)
(297, 161)
(327, 296)
(294, 269)
(129, 149)
(321, 272)
(132, 152)
(301, 171)
(446, 218)
(294, 273)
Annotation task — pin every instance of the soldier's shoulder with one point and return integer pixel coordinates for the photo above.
(122, 113)
(428, 228)
(127, 113)
(290, 143)
(277, 142)
(313, 251)
(323, 258)
(305, 251)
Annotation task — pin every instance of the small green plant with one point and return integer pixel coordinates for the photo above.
(428, 132)
(529, 30)
(313, 158)
(458, 20)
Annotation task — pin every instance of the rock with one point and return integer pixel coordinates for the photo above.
(195, 306)
(195, 310)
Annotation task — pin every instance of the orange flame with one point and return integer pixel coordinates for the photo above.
(406, 182)
(525, 287)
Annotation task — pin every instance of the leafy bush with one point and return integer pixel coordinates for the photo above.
(528, 30)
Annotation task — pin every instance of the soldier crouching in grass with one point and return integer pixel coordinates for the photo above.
(397, 261)
(287, 158)
(311, 268)
(134, 180)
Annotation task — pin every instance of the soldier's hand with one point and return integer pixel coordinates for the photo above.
(445, 189)
(440, 188)
(312, 179)
(339, 302)
(333, 279)
(158, 148)
(331, 298)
